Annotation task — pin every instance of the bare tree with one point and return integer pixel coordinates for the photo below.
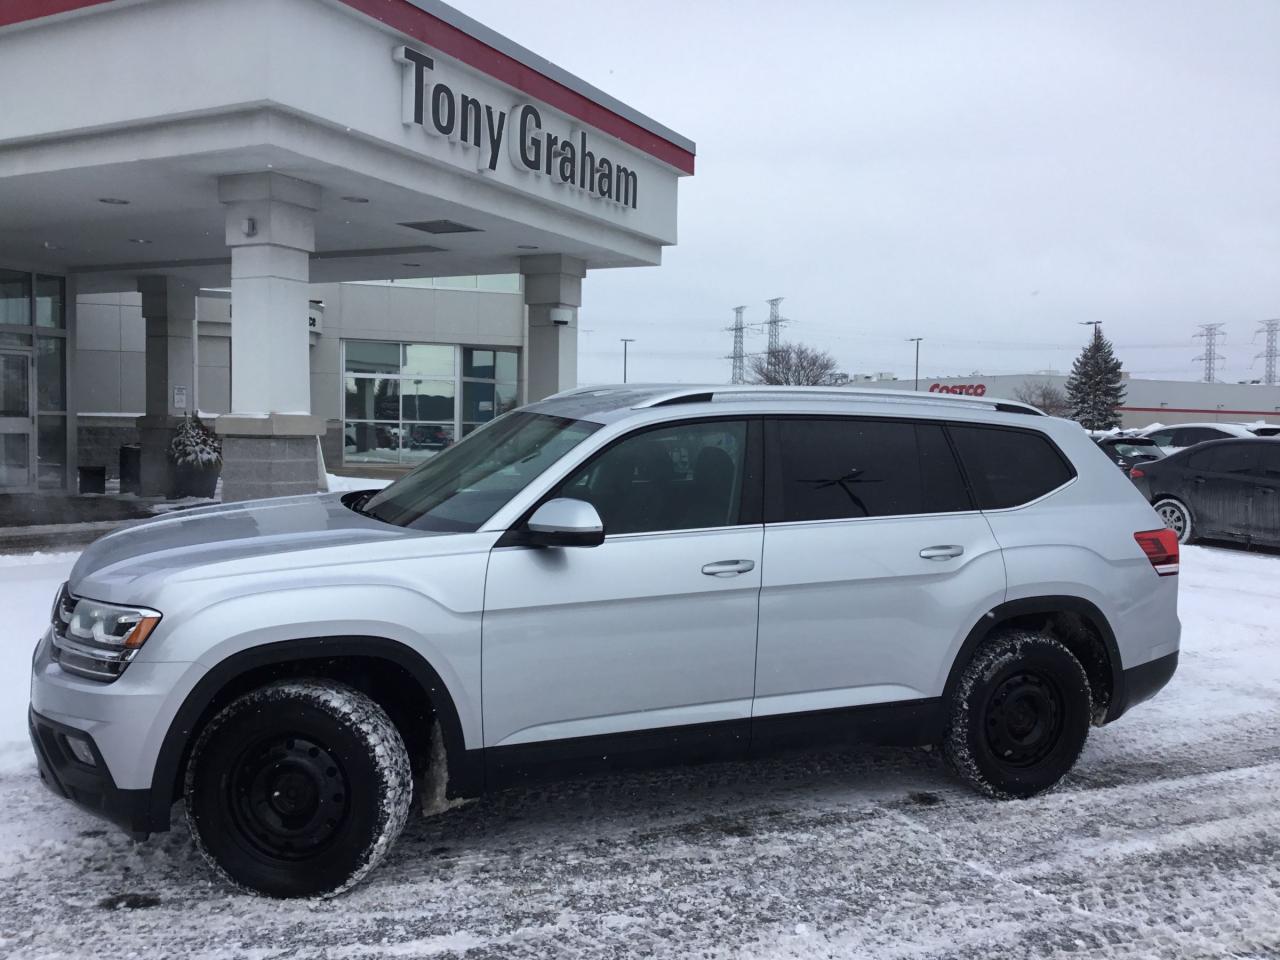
(794, 365)
(1049, 397)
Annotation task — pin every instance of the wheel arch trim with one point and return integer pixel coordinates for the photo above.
(1048, 606)
(465, 774)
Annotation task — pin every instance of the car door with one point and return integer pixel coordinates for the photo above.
(651, 630)
(1219, 484)
(1265, 517)
(876, 566)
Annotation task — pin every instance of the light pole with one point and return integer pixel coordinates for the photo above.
(916, 341)
(625, 341)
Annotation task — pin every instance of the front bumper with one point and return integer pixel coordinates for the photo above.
(89, 785)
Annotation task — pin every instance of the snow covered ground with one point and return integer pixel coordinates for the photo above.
(1164, 842)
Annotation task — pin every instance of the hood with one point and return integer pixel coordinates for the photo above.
(109, 568)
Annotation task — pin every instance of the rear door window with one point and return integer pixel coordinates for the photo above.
(846, 468)
(1008, 467)
(1190, 436)
(1233, 458)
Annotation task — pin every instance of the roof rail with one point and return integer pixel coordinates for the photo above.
(709, 394)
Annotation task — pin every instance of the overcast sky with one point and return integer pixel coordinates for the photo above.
(985, 176)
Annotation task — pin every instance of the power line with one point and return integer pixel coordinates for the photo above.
(1210, 357)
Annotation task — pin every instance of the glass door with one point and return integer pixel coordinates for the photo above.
(17, 420)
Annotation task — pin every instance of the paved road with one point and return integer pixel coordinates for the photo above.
(1162, 844)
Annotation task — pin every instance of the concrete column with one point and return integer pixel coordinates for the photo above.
(269, 446)
(169, 309)
(552, 293)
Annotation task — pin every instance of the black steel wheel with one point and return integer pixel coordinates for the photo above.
(298, 788)
(1019, 716)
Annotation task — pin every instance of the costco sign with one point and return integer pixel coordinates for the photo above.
(968, 389)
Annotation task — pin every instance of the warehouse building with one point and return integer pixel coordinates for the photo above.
(1146, 401)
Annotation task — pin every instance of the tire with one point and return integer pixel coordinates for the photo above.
(1019, 716)
(1175, 515)
(298, 789)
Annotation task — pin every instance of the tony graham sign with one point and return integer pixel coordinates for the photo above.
(567, 160)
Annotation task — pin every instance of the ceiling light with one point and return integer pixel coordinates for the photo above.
(525, 246)
(114, 201)
(440, 226)
(50, 246)
(356, 199)
(410, 264)
(136, 240)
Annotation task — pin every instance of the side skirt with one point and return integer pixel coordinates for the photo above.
(905, 723)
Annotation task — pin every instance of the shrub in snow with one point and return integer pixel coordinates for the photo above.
(194, 444)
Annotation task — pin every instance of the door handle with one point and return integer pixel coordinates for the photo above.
(728, 568)
(947, 552)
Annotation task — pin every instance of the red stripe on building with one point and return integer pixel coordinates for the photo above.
(405, 17)
(17, 11)
(1252, 413)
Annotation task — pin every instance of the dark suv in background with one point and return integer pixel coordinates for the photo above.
(1220, 490)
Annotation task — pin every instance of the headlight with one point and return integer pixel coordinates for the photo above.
(95, 639)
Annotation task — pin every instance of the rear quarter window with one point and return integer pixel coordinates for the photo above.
(1008, 467)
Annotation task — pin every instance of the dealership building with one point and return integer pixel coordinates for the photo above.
(356, 226)
(1145, 402)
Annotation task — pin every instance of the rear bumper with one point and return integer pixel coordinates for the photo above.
(1141, 683)
(89, 786)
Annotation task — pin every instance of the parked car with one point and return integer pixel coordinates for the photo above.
(1222, 490)
(599, 580)
(1126, 452)
(1183, 435)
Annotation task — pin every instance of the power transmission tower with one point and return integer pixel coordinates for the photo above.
(1272, 329)
(1210, 357)
(739, 374)
(774, 323)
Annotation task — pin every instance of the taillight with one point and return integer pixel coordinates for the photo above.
(1136, 473)
(1161, 548)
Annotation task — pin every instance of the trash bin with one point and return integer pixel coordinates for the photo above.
(130, 468)
(93, 479)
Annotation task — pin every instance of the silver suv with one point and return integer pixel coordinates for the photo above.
(614, 576)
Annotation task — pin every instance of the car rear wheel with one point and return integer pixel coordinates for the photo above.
(1019, 716)
(298, 788)
(1176, 517)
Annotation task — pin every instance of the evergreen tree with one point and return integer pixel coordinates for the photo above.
(1095, 389)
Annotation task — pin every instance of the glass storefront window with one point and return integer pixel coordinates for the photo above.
(371, 443)
(52, 450)
(49, 312)
(372, 398)
(15, 298)
(428, 360)
(427, 400)
(370, 356)
(401, 400)
(51, 373)
(13, 460)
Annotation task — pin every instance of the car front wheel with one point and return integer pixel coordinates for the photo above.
(298, 788)
(1019, 715)
(1176, 517)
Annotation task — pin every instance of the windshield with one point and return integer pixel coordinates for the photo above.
(458, 490)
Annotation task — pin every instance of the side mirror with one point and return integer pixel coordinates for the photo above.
(565, 523)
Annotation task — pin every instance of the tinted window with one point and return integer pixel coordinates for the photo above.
(682, 476)
(1231, 458)
(838, 469)
(1189, 436)
(1009, 467)
(1163, 438)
